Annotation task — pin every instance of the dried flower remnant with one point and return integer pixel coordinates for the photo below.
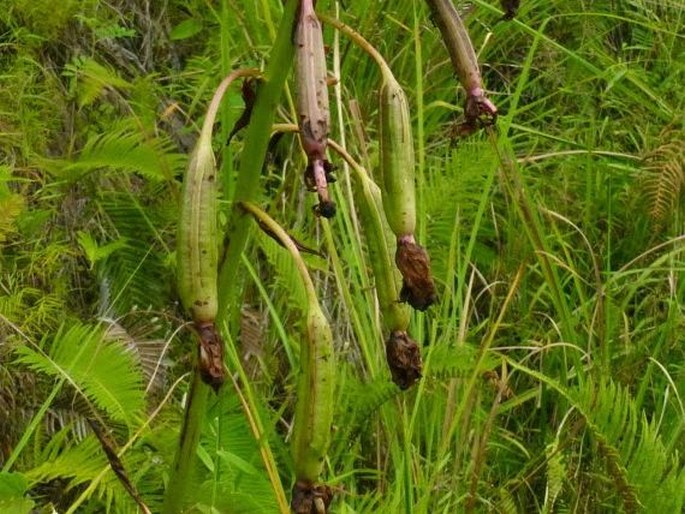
(418, 288)
(211, 355)
(510, 8)
(404, 359)
(311, 499)
(312, 105)
(478, 108)
(399, 197)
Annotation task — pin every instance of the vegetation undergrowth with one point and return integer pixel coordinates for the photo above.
(553, 364)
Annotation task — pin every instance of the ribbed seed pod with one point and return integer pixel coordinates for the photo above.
(402, 353)
(314, 412)
(465, 63)
(197, 252)
(397, 158)
(370, 206)
(312, 104)
(197, 257)
(315, 387)
(399, 197)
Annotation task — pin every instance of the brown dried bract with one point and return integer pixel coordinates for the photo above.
(404, 359)
(211, 355)
(479, 112)
(510, 8)
(418, 288)
(311, 499)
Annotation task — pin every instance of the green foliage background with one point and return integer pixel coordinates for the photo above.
(554, 362)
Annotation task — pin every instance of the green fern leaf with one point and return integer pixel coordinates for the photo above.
(125, 148)
(105, 372)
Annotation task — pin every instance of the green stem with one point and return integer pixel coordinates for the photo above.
(253, 155)
(360, 41)
(185, 456)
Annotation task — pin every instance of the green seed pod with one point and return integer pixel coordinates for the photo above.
(397, 158)
(399, 200)
(197, 255)
(315, 403)
(378, 243)
(197, 252)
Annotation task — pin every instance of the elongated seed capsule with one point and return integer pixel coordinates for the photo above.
(402, 353)
(315, 403)
(399, 197)
(197, 255)
(197, 250)
(464, 61)
(312, 103)
(370, 207)
(315, 388)
(397, 158)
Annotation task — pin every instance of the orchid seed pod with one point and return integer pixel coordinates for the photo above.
(197, 252)
(197, 257)
(315, 404)
(315, 388)
(312, 104)
(465, 62)
(395, 316)
(397, 158)
(399, 197)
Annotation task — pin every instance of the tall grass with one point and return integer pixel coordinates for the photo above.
(553, 375)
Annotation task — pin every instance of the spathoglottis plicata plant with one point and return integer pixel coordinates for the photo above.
(387, 209)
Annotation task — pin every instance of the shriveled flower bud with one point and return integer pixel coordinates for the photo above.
(211, 355)
(418, 288)
(477, 108)
(510, 8)
(312, 104)
(404, 359)
(311, 499)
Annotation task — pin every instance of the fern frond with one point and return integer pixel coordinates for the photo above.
(664, 179)
(449, 362)
(104, 372)
(81, 464)
(127, 149)
(133, 275)
(643, 471)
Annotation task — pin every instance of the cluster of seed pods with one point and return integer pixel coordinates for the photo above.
(390, 207)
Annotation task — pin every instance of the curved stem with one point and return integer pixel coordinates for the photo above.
(359, 40)
(288, 243)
